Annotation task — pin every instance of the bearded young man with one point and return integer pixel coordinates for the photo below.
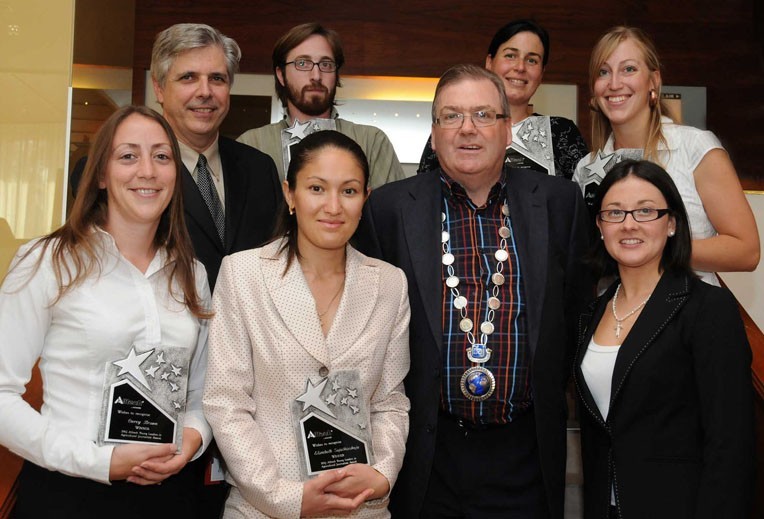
(306, 64)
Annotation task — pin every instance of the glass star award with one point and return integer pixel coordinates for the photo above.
(332, 424)
(298, 131)
(144, 396)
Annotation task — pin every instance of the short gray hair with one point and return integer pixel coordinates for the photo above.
(181, 37)
(464, 72)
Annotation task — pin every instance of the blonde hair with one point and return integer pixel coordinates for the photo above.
(606, 45)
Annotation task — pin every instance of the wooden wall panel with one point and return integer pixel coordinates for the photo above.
(702, 43)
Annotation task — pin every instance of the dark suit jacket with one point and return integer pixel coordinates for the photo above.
(252, 197)
(678, 440)
(401, 224)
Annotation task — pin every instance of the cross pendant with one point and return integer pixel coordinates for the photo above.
(617, 330)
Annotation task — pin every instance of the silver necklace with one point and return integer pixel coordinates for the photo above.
(618, 321)
(322, 314)
(477, 383)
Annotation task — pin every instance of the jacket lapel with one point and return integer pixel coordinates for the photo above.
(293, 300)
(358, 301)
(586, 326)
(421, 219)
(196, 209)
(530, 229)
(236, 182)
(669, 295)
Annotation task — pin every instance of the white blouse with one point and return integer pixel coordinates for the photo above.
(597, 366)
(94, 324)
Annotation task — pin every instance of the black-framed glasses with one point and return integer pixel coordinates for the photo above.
(480, 119)
(643, 214)
(306, 65)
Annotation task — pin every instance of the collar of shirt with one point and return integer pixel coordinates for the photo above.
(160, 260)
(454, 191)
(215, 166)
(190, 157)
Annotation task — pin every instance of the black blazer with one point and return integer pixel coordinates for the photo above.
(252, 197)
(678, 440)
(401, 224)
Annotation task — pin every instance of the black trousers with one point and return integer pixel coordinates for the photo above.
(487, 473)
(47, 495)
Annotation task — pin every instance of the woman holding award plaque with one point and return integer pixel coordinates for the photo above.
(113, 305)
(663, 368)
(308, 352)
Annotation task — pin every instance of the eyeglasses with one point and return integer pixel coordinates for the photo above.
(480, 119)
(643, 214)
(306, 65)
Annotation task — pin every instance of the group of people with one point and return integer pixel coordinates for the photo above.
(421, 371)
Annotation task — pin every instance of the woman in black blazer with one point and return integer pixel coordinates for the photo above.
(662, 369)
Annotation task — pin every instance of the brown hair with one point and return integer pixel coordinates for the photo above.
(606, 45)
(295, 36)
(74, 252)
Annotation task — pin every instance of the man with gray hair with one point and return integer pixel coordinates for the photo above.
(230, 190)
(492, 257)
(306, 71)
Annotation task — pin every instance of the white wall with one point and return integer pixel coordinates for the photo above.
(748, 287)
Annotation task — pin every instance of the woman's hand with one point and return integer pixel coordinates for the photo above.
(124, 458)
(155, 470)
(317, 501)
(359, 477)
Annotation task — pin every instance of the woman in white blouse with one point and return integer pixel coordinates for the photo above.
(629, 121)
(113, 305)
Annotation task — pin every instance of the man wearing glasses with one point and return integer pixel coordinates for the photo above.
(492, 256)
(306, 64)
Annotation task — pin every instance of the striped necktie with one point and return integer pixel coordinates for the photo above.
(210, 196)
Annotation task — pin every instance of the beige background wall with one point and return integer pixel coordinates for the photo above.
(35, 72)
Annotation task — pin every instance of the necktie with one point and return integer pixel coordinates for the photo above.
(210, 196)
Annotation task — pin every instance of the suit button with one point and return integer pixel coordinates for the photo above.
(323, 371)
(428, 428)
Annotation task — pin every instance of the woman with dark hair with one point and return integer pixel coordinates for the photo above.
(308, 352)
(518, 54)
(114, 306)
(663, 367)
(629, 120)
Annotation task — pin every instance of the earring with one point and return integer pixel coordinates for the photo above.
(671, 234)
(653, 98)
(602, 236)
(291, 210)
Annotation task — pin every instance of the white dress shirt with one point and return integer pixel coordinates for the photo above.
(95, 323)
(683, 151)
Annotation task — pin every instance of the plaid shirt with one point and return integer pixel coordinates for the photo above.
(474, 239)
